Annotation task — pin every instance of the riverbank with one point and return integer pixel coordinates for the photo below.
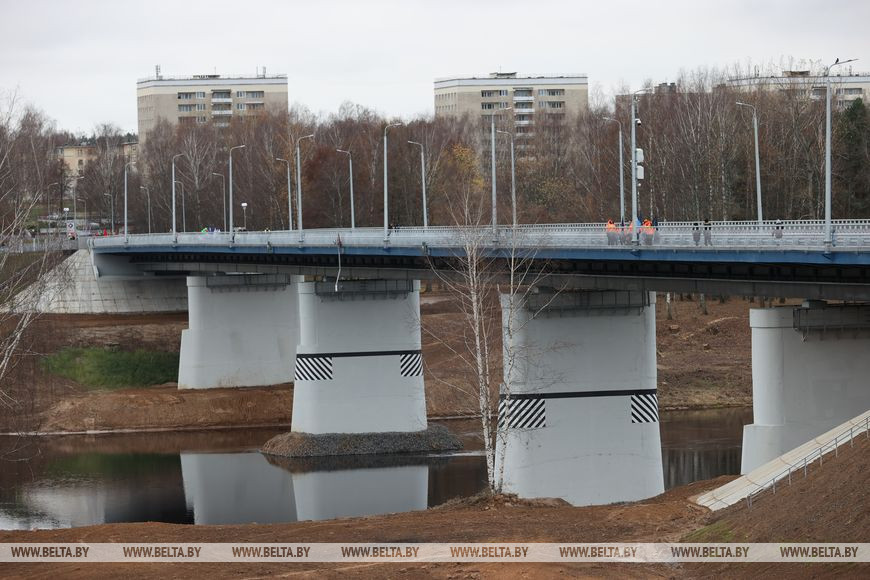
(830, 505)
(703, 363)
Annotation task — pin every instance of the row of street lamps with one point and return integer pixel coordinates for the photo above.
(634, 161)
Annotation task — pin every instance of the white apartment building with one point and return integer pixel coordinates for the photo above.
(543, 97)
(845, 88)
(206, 98)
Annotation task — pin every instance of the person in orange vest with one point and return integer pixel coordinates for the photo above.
(611, 233)
(648, 232)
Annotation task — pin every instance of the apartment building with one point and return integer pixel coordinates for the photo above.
(76, 157)
(845, 88)
(206, 98)
(541, 97)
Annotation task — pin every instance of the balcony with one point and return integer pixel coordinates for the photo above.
(523, 123)
(222, 100)
(225, 113)
(523, 99)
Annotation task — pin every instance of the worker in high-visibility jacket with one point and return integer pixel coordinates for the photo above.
(648, 232)
(612, 233)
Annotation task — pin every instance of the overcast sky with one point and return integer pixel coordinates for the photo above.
(78, 60)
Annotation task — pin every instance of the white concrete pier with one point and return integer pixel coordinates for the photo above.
(581, 422)
(810, 373)
(359, 368)
(242, 332)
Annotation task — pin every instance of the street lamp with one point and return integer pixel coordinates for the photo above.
(231, 187)
(75, 199)
(289, 195)
(350, 179)
(634, 123)
(513, 178)
(245, 213)
(224, 197)
(757, 159)
(112, 206)
(48, 201)
(386, 180)
(126, 228)
(147, 197)
(299, 183)
(829, 230)
(183, 212)
(621, 180)
(492, 155)
(174, 232)
(423, 182)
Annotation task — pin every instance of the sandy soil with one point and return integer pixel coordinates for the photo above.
(830, 505)
(704, 362)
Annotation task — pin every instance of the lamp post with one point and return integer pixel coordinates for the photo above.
(245, 213)
(621, 179)
(386, 190)
(289, 195)
(513, 178)
(634, 123)
(299, 183)
(174, 231)
(423, 182)
(492, 156)
(75, 199)
(126, 224)
(224, 196)
(112, 206)
(148, 198)
(231, 188)
(48, 202)
(183, 212)
(757, 160)
(829, 230)
(350, 179)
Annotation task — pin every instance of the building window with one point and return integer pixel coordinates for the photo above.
(221, 95)
(256, 94)
(551, 92)
(240, 94)
(255, 106)
(523, 93)
(185, 96)
(200, 95)
(527, 105)
(202, 119)
(240, 106)
(552, 104)
(487, 94)
(200, 106)
(185, 108)
(487, 106)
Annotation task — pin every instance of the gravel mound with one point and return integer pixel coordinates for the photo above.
(434, 439)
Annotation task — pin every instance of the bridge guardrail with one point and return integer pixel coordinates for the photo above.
(805, 235)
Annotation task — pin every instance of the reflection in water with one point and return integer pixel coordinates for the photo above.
(221, 479)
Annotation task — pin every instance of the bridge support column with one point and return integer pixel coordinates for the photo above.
(581, 421)
(359, 368)
(243, 331)
(810, 369)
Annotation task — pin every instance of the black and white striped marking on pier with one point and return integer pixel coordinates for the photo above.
(313, 367)
(522, 413)
(411, 365)
(645, 408)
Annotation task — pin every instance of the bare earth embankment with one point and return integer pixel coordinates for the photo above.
(704, 362)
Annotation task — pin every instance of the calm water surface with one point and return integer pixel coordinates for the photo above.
(219, 477)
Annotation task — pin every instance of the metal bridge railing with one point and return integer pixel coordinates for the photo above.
(849, 235)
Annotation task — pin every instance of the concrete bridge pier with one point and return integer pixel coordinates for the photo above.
(810, 373)
(359, 367)
(581, 421)
(243, 331)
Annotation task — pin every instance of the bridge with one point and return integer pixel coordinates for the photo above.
(338, 311)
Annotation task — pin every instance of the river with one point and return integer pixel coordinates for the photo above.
(218, 477)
